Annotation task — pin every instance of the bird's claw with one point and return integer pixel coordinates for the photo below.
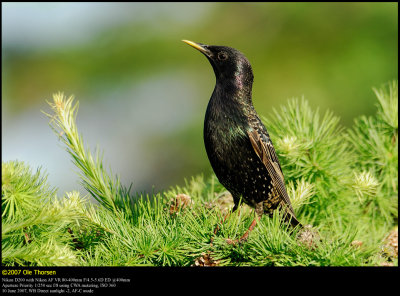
(234, 242)
(231, 242)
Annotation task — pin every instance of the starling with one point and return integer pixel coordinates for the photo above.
(237, 143)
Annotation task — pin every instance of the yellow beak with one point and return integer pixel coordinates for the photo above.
(198, 47)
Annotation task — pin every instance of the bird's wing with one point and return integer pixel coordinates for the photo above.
(266, 152)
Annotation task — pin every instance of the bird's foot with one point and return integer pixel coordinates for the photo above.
(245, 235)
(231, 241)
(237, 241)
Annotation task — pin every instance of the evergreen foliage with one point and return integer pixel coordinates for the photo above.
(342, 181)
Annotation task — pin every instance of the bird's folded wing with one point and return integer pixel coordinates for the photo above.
(266, 152)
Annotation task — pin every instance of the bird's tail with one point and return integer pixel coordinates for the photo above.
(293, 221)
(290, 217)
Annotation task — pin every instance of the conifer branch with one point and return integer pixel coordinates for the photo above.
(106, 190)
(342, 181)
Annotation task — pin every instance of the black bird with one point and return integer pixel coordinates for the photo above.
(237, 143)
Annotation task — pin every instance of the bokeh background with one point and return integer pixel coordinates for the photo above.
(143, 93)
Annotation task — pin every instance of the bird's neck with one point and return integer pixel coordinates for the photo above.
(234, 90)
(231, 102)
(236, 85)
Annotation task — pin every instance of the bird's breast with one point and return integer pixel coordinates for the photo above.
(224, 134)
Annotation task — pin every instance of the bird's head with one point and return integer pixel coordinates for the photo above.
(227, 62)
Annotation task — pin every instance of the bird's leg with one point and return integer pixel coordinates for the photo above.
(259, 211)
(246, 234)
(252, 225)
(223, 221)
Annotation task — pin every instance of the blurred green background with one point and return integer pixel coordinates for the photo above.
(143, 93)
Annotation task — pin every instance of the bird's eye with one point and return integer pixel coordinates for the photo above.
(222, 56)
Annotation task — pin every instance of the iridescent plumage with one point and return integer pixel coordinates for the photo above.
(238, 145)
